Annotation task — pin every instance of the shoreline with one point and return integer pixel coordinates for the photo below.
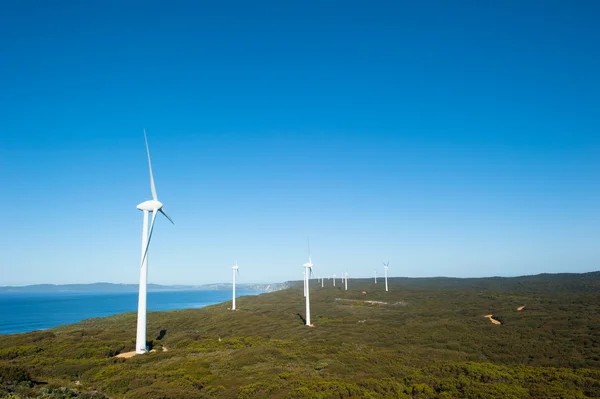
(63, 314)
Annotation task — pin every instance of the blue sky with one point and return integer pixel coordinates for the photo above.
(452, 138)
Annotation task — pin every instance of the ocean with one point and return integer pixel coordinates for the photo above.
(27, 311)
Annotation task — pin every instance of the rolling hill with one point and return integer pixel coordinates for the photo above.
(426, 338)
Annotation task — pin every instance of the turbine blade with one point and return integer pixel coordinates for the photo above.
(149, 237)
(152, 187)
(167, 216)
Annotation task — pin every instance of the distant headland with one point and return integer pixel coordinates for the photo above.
(110, 287)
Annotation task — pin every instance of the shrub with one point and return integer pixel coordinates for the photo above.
(13, 375)
(18, 351)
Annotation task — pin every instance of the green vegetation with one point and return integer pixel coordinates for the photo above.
(428, 340)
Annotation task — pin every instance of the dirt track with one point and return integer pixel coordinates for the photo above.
(489, 316)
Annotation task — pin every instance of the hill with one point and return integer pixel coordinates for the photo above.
(110, 287)
(425, 338)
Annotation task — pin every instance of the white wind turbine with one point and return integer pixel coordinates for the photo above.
(334, 280)
(307, 272)
(154, 206)
(385, 267)
(375, 276)
(235, 270)
(346, 280)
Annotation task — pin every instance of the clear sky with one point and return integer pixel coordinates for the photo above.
(452, 138)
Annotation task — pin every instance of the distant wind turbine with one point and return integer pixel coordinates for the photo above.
(375, 276)
(235, 270)
(385, 267)
(307, 272)
(346, 280)
(154, 206)
(334, 280)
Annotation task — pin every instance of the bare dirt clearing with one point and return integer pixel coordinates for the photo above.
(127, 355)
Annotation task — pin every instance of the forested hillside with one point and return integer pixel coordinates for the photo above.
(425, 338)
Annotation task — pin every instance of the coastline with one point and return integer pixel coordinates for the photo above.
(23, 312)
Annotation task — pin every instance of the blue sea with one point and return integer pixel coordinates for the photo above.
(27, 311)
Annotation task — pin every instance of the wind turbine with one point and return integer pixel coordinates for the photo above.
(375, 276)
(334, 280)
(154, 206)
(385, 267)
(322, 282)
(235, 270)
(346, 280)
(307, 272)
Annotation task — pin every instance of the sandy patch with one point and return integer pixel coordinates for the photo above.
(521, 308)
(127, 355)
(489, 316)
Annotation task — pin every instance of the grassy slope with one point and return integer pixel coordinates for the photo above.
(430, 340)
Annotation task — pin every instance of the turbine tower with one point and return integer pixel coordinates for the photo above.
(307, 272)
(334, 280)
(235, 270)
(304, 281)
(346, 280)
(385, 267)
(154, 206)
(375, 276)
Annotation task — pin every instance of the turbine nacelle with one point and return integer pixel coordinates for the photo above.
(150, 205)
(308, 266)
